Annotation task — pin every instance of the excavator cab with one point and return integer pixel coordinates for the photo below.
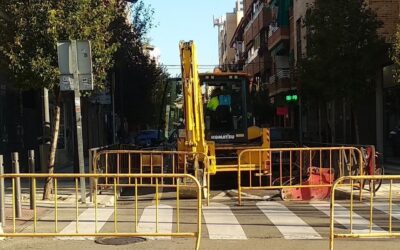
(227, 107)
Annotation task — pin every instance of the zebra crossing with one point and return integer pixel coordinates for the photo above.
(224, 220)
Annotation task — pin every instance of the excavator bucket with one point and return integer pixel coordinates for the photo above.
(317, 176)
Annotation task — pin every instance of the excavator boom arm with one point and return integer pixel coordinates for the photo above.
(193, 106)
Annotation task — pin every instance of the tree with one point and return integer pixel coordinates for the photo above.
(141, 82)
(396, 53)
(28, 45)
(344, 52)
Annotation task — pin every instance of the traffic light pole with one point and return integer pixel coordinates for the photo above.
(300, 122)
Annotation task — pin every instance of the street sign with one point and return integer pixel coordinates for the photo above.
(75, 57)
(64, 58)
(282, 111)
(85, 82)
(67, 82)
(84, 59)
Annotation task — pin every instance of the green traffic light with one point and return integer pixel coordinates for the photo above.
(291, 98)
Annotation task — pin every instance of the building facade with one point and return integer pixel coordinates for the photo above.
(269, 42)
(226, 29)
(263, 50)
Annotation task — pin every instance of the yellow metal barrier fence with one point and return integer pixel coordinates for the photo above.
(385, 204)
(50, 226)
(297, 168)
(151, 162)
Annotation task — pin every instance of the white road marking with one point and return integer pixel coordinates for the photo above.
(221, 196)
(222, 224)
(86, 223)
(266, 197)
(342, 216)
(289, 224)
(1, 232)
(384, 207)
(147, 222)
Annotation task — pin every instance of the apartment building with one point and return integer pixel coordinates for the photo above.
(270, 40)
(250, 41)
(263, 49)
(387, 96)
(226, 29)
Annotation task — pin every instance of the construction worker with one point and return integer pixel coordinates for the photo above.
(214, 101)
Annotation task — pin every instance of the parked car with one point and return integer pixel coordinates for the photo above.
(148, 138)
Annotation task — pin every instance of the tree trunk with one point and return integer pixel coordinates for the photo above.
(48, 186)
(319, 122)
(333, 122)
(344, 121)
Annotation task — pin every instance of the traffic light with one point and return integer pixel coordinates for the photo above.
(291, 98)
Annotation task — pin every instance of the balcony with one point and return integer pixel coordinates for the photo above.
(283, 73)
(251, 56)
(256, 11)
(280, 82)
(277, 35)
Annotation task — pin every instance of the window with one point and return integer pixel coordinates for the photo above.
(257, 42)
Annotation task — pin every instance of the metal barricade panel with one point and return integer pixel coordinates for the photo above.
(293, 170)
(379, 212)
(150, 162)
(87, 220)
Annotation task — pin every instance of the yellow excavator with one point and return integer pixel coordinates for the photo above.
(218, 118)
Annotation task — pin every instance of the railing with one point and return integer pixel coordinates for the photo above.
(53, 224)
(254, 16)
(386, 205)
(252, 56)
(273, 27)
(283, 73)
(300, 173)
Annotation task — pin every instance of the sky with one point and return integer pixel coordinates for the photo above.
(177, 20)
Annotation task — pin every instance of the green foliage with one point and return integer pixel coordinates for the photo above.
(28, 42)
(117, 33)
(140, 82)
(344, 50)
(396, 53)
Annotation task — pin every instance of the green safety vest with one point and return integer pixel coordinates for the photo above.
(213, 103)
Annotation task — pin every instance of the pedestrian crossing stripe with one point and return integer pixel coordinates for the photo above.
(222, 223)
(86, 223)
(384, 207)
(288, 223)
(147, 222)
(1, 231)
(342, 216)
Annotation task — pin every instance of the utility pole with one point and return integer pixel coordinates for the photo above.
(75, 62)
(45, 145)
(113, 108)
(78, 116)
